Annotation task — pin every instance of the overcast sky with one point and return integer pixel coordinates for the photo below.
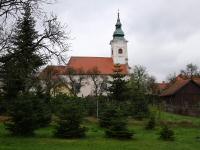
(163, 35)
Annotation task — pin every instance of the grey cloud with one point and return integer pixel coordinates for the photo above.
(163, 35)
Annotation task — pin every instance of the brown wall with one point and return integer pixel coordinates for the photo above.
(185, 101)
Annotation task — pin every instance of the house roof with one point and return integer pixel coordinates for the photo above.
(162, 86)
(53, 70)
(83, 65)
(177, 85)
(104, 65)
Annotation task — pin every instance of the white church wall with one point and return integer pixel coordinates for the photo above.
(87, 88)
(115, 46)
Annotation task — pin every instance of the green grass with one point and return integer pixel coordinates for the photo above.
(95, 139)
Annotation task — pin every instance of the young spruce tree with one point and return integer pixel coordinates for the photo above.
(113, 118)
(20, 64)
(69, 122)
(118, 89)
(26, 110)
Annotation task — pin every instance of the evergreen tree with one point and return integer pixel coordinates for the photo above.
(115, 123)
(18, 68)
(118, 89)
(69, 123)
(20, 64)
(151, 123)
(167, 134)
(105, 118)
(140, 108)
(28, 113)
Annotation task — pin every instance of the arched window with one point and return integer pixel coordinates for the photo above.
(120, 51)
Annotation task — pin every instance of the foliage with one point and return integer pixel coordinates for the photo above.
(151, 123)
(190, 71)
(27, 113)
(91, 105)
(140, 107)
(61, 100)
(118, 89)
(2, 105)
(106, 116)
(118, 127)
(69, 123)
(76, 78)
(115, 123)
(119, 130)
(50, 80)
(141, 86)
(171, 78)
(22, 62)
(43, 140)
(167, 134)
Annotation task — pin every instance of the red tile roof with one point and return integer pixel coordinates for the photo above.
(104, 65)
(177, 85)
(162, 86)
(54, 70)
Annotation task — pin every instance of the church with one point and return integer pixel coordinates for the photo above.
(105, 65)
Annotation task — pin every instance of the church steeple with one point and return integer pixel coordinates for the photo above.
(118, 28)
(119, 44)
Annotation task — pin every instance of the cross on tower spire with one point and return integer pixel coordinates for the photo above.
(118, 13)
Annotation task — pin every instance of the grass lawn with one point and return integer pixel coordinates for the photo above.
(95, 140)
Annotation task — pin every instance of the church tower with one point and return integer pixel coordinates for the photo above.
(119, 45)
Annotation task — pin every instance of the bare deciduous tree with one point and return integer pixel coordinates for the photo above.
(13, 8)
(99, 81)
(76, 78)
(52, 42)
(190, 71)
(100, 85)
(50, 79)
(53, 38)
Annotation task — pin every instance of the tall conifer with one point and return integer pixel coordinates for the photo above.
(22, 61)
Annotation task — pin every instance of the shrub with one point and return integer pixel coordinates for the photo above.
(140, 109)
(115, 123)
(105, 118)
(151, 123)
(118, 129)
(69, 123)
(60, 100)
(167, 134)
(27, 113)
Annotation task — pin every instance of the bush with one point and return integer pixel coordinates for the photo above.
(27, 113)
(105, 118)
(115, 123)
(167, 134)
(60, 100)
(69, 123)
(118, 129)
(140, 109)
(151, 123)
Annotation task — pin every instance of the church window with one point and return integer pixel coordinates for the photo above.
(120, 51)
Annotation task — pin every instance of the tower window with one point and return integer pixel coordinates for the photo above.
(120, 51)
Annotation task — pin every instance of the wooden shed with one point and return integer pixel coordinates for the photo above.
(183, 97)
